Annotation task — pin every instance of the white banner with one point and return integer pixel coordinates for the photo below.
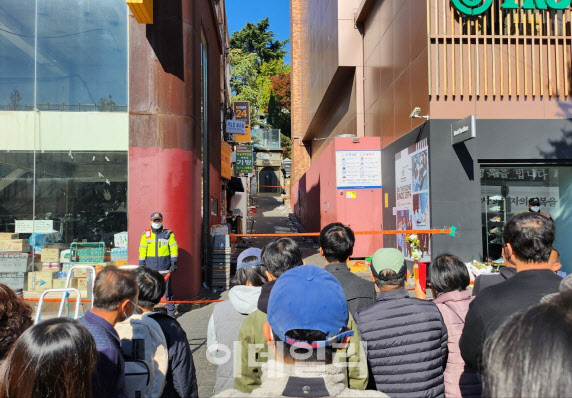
(40, 227)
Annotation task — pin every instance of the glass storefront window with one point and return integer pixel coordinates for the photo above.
(84, 193)
(505, 191)
(17, 60)
(80, 58)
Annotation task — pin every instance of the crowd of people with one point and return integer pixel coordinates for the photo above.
(298, 330)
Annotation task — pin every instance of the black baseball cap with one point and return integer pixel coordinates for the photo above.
(156, 216)
(534, 202)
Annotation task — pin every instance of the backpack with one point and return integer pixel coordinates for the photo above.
(146, 356)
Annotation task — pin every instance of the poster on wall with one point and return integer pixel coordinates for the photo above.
(358, 169)
(412, 196)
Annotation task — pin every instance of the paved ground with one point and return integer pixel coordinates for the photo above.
(271, 217)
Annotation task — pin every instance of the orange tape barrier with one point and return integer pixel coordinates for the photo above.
(450, 231)
(73, 300)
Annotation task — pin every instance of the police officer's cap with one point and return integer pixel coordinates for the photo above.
(156, 216)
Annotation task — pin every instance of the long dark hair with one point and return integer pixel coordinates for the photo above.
(529, 355)
(53, 359)
(15, 318)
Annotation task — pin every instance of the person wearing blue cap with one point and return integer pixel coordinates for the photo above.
(227, 317)
(158, 250)
(307, 324)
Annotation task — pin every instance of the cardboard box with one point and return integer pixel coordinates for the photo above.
(80, 284)
(8, 236)
(51, 267)
(15, 245)
(59, 283)
(119, 263)
(40, 281)
(50, 255)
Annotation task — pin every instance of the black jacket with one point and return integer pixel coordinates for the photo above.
(181, 377)
(497, 303)
(484, 281)
(359, 292)
(406, 345)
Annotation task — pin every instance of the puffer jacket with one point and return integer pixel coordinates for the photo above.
(223, 328)
(406, 345)
(460, 379)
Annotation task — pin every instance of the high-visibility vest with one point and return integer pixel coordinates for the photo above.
(158, 250)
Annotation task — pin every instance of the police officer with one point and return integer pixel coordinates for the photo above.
(158, 250)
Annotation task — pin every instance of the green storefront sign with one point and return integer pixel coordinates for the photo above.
(476, 7)
(244, 159)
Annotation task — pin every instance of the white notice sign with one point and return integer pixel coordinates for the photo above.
(40, 227)
(358, 169)
(236, 127)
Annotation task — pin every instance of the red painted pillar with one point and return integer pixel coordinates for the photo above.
(165, 130)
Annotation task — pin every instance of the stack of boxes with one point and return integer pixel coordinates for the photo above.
(221, 262)
(9, 242)
(14, 260)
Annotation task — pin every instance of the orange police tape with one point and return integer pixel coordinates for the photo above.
(451, 231)
(269, 186)
(71, 299)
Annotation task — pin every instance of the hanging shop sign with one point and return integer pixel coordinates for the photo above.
(244, 159)
(236, 127)
(477, 7)
(241, 111)
(225, 160)
(463, 130)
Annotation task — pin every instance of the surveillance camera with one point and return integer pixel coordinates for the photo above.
(415, 112)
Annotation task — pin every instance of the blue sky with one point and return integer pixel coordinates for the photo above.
(239, 12)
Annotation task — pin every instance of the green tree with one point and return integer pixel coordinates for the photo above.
(256, 38)
(15, 99)
(244, 70)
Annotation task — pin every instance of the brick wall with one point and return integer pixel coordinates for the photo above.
(300, 90)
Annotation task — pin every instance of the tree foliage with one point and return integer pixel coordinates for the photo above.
(256, 38)
(260, 75)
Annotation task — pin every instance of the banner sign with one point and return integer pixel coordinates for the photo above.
(225, 162)
(244, 160)
(358, 169)
(412, 196)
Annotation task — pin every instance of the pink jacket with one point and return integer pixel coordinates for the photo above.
(460, 379)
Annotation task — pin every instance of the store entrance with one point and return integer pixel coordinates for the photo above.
(507, 190)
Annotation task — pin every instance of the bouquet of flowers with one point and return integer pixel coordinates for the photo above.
(413, 241)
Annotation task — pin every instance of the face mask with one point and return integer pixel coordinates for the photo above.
(157, 225)
(535, 209)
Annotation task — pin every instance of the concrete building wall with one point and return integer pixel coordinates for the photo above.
(318, 201)
(395, 53)
(165, 128)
